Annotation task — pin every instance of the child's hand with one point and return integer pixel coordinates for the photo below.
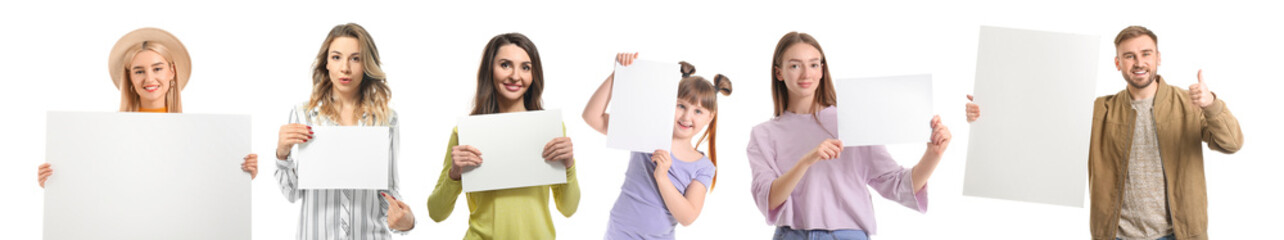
(625, 59)
(662, 163)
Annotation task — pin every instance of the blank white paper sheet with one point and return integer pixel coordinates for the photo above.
(147, 176)
(512, 148)
(345, 157)
(642, 106)
(884, 110)
(1036, 91)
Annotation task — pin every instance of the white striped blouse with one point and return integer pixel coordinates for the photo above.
(339, 213)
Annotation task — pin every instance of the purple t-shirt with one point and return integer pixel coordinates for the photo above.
(639, 212)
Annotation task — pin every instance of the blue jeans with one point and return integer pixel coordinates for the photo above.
(786, 233)
(1169, 237)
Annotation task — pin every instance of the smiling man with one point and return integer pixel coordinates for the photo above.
(1145, 162)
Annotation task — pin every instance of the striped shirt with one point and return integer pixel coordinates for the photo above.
(339, 213)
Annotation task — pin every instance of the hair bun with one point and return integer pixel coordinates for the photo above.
(723, 84)
(687, 69)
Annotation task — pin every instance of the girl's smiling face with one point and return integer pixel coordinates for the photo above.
(689, 118)
(150, 76)
(512, 72)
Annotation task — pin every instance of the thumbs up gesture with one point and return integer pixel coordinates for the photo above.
(1199, 93)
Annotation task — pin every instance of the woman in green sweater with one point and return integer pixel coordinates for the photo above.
(510, 79)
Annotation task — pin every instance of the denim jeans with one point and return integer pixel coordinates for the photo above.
(786, 233)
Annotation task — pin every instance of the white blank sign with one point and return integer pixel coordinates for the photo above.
(512, 148)
(345, 157)
(642, 106)
(147, 176)
(884, 110)
(1035, 90)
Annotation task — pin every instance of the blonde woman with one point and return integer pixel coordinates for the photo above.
(348, 89)
(150, 67)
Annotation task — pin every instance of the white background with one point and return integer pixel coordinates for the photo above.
(253, 57)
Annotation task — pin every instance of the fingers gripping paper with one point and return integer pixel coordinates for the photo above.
(1035, 90)
(512, 147)
(147, 176)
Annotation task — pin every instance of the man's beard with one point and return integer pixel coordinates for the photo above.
(1145, 83)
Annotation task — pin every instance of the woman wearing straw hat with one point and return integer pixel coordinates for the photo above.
(150, 67)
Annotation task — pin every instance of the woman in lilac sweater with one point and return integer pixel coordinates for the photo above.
(804, 181)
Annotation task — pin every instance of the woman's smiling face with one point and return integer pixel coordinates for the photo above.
(512, 72)
(150, 75)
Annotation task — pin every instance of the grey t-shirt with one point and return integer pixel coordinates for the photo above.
(1144, 213)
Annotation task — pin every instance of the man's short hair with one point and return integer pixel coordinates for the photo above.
(1133, 32)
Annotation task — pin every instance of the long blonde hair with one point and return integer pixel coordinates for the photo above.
(129, 99)
(372, 95)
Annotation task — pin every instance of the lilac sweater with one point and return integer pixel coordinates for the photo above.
(832, 194)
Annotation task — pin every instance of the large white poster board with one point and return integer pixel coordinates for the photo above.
(884, 110)
(1036, 91)
(642, 106)
(345, 158)
(147, 176)
(512, 148)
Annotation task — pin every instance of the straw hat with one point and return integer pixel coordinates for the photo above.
(178, 53)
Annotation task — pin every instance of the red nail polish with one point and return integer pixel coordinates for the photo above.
(305, 140)
(309, 128)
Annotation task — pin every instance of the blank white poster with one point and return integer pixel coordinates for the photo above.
(1035, 90)
(512, 148)
(884, 110)
(147, 176)
(643, 96)
(345, 157)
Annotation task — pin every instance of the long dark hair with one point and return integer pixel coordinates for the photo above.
(486, 100)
